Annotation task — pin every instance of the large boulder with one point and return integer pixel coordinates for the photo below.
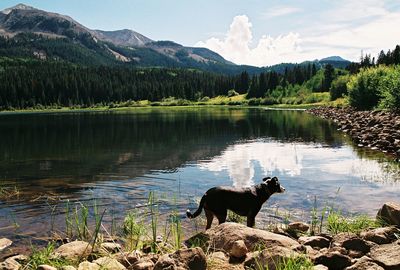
(387, 255)
(188, 258)
(298, 227)
(73, 250)
(334, 260)
(390, 213)
(224, 236)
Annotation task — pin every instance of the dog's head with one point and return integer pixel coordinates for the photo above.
(273, 185)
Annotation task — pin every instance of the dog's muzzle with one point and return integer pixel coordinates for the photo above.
(282, 189)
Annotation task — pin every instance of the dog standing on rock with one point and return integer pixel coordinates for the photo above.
(243, 201)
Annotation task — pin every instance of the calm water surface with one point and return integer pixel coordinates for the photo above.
(117, 158)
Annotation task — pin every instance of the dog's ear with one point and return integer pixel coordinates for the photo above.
(274, 179)
(265, 179)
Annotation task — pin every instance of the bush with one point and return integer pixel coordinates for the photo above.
(339, 87)
(364, 87)
(390, 90)
(254, 101)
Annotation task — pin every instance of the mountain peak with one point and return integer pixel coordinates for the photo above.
(334, 58)
(17, 7)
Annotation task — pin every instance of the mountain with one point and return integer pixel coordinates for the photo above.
(333, 58)
(29, 32)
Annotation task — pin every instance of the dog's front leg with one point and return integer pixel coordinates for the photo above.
(251, 220)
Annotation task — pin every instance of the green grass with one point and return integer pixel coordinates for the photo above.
(44, 256)
(291, 263)
(337, 223)
(134, 231)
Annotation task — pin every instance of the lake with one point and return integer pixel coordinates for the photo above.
(114, 159)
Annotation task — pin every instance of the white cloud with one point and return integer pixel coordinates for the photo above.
(345, 30)
(281, 11)
(236, 45)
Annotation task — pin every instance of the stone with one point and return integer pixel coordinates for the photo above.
(5, 243)
(143, 264)
(314, 241)
(384, 235)
(73, 250)
(110, 247)
(239, 249)
(387, 255)
(338, 239)
(269, 257)
(109, 263)
(333, 260)
(389, 213)
(356, 244)
(298, 226)
(88, 266)
(128, 258)
(187, 258)
(68, 267)
(219, 260)
(46, 267)
(223, 236)
(13, 263)
(364, 263)
(320, 267)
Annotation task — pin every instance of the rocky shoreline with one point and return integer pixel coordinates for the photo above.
(236, 246)
(377, 130)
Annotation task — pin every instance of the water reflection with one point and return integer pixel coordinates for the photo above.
(118, 157)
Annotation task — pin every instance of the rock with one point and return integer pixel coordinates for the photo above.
(364, 263)
(219, 260)
(269, 258)
(73, 250)
(387, 255)
(109, 263)
(314, 241)
(298, 226)
(13, 263)
(143, 264)
(46, 267)
(390, 213)
(110, 247)
(68, 267)
(219, 255)
(239, 249)
(384, 235)
(5, 243)
(88, 266)
(188, 258)
(320, 267)
(223, 236)
(128, 258)
(338, 239)
(356, 244)
(333, 260)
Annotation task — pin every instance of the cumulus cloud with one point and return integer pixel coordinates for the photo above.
(345, 30)
(236, 45)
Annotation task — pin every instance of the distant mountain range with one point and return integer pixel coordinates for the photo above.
(30, 32)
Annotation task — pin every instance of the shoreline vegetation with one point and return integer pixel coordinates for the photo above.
(142, 241)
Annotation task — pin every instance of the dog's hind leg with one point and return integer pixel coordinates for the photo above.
(210, 217)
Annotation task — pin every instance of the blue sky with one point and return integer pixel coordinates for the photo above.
(252, 32)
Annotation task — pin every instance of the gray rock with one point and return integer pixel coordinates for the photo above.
(239, 249)
(356, 244)
(109, 263)
(365, 263)
(110, 247)
(5, 243)
(387, 255)
(13, 263)
(68, 267)
(314, 241)
(73, 250)
(390, 213)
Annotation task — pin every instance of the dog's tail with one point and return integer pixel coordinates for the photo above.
(198, 211)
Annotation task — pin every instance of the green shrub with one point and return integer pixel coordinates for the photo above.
(339, 87)
(254, 101)
(390, 90)
(232, 93)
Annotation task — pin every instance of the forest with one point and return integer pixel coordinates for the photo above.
(33, 83)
